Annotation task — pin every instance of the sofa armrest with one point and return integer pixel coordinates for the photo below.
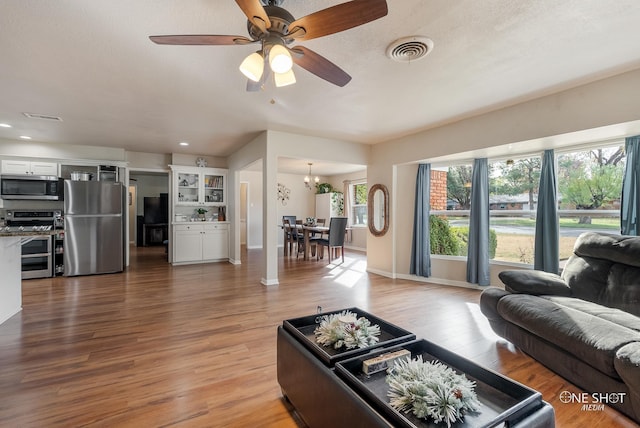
(534, 282)
(627, 364)
(489, 302)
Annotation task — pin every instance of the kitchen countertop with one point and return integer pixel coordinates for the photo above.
(29, 233)
(200, 222)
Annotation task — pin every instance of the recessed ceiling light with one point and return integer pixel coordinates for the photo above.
(183, 143)
(25, 137)
(5, 125)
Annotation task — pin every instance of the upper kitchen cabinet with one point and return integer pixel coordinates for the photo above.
(24, 167)
(195, 186)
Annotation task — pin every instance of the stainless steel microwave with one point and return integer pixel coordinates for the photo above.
(34, 187)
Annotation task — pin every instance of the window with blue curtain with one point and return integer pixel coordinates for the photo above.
(421, 243)
(547, 236)
(478, 249)
(630, 198)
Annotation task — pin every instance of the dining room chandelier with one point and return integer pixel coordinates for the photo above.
(307, 179)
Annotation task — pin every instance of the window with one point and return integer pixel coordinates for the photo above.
(450, 201)
(513, 199)
(359, 207)
(589, 189)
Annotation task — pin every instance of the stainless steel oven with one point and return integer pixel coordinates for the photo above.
(37, 259)
(37, 251)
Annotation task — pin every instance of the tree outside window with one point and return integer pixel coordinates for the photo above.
(589, 188)
(359, 208)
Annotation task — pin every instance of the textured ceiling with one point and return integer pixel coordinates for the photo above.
(92, 64)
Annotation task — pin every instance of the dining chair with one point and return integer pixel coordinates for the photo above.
(288, 237)
(286, 224)
(298, 238)
(335, 240)
(320, 222)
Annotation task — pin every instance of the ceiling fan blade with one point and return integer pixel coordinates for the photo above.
(337, 18)
(255, 13)
(202, 39)
(319, 65)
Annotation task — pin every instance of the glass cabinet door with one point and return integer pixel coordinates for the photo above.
(188, 186)
(213, 189)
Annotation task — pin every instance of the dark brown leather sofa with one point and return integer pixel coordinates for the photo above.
(583, 324)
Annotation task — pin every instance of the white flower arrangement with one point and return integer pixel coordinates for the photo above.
(345, 329)
(430, 390)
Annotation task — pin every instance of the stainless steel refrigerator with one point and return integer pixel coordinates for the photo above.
(93, 227)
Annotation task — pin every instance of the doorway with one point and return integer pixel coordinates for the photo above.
(244, 190)
(149, 207)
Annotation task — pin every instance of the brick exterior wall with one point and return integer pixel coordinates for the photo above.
(438, 190)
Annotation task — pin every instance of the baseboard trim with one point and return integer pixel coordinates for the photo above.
(9, 314)
(235, 262)
(269, 282)
(430, 280)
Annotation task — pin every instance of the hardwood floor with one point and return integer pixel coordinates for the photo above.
(195, 346)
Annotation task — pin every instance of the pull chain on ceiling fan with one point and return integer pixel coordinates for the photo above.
(275, 28)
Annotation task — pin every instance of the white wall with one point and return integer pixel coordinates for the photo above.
(267, 147)
(10, 285)
(254, 207)
(148, 161)
(30, 149)
(190, 160)
(301, 203)
(254, 151)
(610, 105)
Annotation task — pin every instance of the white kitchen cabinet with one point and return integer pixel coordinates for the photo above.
(194, 242)
(23, 167)
(187, 243)
(195, 186)
(215, 242)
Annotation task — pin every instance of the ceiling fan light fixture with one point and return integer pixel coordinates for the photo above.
(253, 67)
(280, 59)
(284, 79)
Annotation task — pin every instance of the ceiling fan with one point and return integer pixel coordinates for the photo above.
(275, 28)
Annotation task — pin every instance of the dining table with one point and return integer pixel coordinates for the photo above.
(307, 232)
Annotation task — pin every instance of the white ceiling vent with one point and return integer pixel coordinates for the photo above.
(410, 48)
(43, 116)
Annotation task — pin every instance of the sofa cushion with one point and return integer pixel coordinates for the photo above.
(615, 248)
(534, 282)
(616, 316)
(592, 339)
(623, 288)
(587, 277)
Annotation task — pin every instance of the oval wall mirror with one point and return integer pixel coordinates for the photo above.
(378, 209)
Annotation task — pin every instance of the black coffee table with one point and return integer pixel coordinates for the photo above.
(328, 388)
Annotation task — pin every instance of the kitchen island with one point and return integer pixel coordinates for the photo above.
(11, 270)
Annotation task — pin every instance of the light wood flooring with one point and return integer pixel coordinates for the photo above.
(195, 346)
